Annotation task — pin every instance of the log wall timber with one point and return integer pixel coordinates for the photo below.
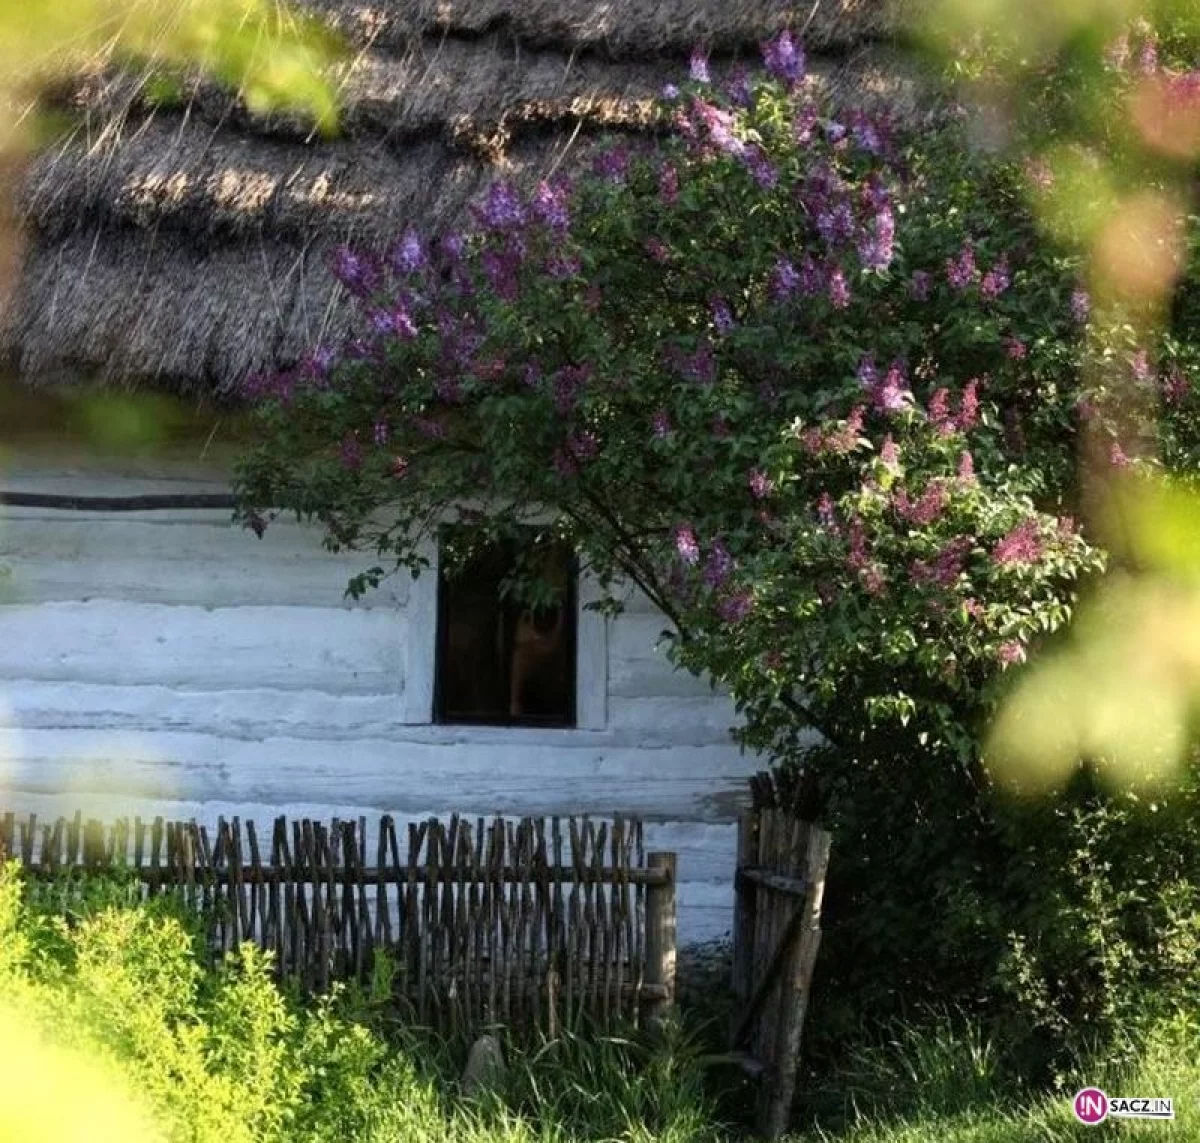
(168, 663)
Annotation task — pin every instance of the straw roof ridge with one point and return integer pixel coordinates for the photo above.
(617, 29)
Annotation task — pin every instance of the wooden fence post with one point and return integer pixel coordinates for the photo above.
(660, 938)
(744, 911)
(776, 1107)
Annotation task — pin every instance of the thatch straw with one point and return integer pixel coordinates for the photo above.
(189, 243)
(617, 28)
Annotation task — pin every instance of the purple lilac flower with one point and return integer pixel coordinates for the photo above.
(784, 58)
(760, 484)
(961, 271)
(668, 185)
(1118, 457)
(686, 546)
(866, 135)
(501, 209)
(1081, 306)
(500, 268)
(784, 280)
(319, 363)
(1175, 386)
(380, 433)
(452, 246)
(1140, 366)
(720, 428)
(759, 164)
(357, 272)
(877, 248)
(813, 277)
(927, 507)
(560, 268)
(449, 389)
(568, 384)
(658, 250)
(719, 565)
(867, 372)
(918, 286)
(738, 88)
(826, 511)
(698, 67)
(835, 132)
(612, 164)
(839, 289)
(700, 366)
(836, 225)
(1021, 545)
(662, 424)
(550, 206)
(583, 445)
(670, 92)
(735, 608)
(995, 281)
(408, 255)
(722, 317)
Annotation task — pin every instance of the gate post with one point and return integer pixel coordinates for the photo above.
(744, 913)
(660, 938)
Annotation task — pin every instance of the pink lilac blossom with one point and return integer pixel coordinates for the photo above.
(804, 124)
(839, 289)
(668, 185)
(720, 429)
(939, 412)
(1175, 386)
(583, 445)
(1021, 545)
(856, 556)
(873, 579)
(734, 608)
(892, 393)
(1010, 652)
(961, 271)
(1015, 348)
(1140, 366)
(919, 284)
(658, 250)
(826, 511)
(399, 467)
(889, 453)
(995, 281)
(1117, 457)
(968, 406)
(966, 467)
(760, 484)
(686, 545)
(1039, 174)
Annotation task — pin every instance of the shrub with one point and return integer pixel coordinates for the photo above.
(814, 386)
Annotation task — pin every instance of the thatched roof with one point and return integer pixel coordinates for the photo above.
(188, 242)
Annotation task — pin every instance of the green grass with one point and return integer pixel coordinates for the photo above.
(105, 998)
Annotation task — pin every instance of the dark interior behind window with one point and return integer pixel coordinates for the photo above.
(499, 662)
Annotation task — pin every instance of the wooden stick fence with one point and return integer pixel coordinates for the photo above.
(528, 924)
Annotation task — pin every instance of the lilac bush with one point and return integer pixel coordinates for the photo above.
(813, 386)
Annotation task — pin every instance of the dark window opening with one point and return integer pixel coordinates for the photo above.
(499, 661)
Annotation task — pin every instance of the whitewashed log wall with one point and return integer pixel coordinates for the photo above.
(170, 663)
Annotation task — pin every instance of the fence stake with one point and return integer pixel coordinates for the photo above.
(776, 1108)
(660, 939)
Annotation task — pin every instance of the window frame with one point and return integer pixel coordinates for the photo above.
(420, 653)
(441, 637)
